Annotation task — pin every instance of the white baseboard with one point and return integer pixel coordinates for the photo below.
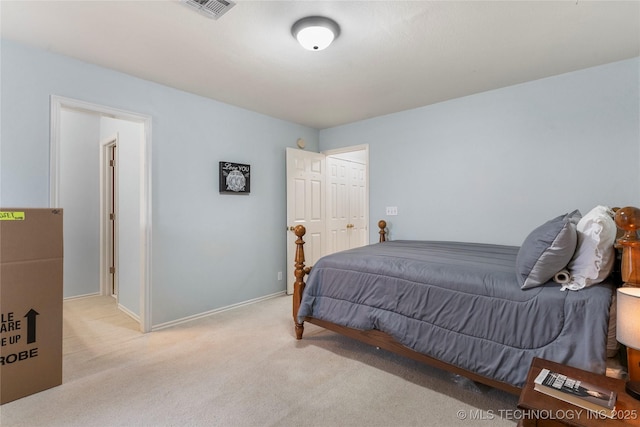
(217, 310)
(129, 313)
(82, 296)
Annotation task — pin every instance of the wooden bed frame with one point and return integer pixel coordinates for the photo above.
(373, 337)
(627, 219)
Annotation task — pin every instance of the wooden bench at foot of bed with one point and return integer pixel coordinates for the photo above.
(373, 337)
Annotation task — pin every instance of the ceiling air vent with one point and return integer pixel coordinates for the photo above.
(210, 8)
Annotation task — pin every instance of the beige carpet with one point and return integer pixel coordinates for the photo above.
(243, 367)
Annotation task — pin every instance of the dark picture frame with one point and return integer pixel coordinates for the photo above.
(234, 178)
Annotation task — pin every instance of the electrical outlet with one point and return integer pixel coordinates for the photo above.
(392, 210)
(279, 275)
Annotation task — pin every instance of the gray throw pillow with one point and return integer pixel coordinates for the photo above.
(546, 250)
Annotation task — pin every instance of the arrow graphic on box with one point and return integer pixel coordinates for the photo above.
(31, 325)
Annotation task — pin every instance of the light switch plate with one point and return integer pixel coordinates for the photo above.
(392, 210)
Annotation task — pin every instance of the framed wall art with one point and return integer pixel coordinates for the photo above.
(235, 178)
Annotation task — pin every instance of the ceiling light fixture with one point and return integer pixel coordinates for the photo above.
(315, 32)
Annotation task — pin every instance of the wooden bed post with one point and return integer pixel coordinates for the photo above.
(628, 219)
(299, 272)
(382, 225)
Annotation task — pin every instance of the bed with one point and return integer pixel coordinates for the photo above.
(480, 310)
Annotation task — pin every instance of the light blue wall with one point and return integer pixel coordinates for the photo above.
(492, 166)
(79, 193)
(487, 167)
(209, 250)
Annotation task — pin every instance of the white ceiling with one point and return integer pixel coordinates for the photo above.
(390, 56)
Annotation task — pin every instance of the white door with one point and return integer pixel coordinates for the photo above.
(337, 204)
(358, 206)
(347, 206)
(305, 206)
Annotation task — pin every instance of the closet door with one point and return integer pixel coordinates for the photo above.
(358, 205)
(346, 205)
(338, 215)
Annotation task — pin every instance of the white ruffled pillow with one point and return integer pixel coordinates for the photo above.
(594, 256)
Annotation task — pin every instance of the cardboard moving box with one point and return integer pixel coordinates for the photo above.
(31, 252)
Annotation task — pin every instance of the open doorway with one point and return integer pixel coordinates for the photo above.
(78, 174)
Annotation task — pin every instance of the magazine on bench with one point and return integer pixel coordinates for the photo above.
(585, 395)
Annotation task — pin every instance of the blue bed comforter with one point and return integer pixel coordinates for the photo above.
(460, 303)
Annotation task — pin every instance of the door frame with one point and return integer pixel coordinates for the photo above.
(337, 151)
(57, 104)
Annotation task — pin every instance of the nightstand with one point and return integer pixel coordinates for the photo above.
(541, 410)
